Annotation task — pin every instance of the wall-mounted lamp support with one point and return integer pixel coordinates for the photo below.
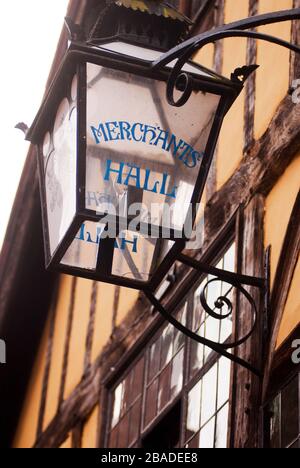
(183, 53)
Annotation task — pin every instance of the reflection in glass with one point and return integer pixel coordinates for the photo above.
(222, 428)
(212, 329)
(224, 381)
(194, 408)
(197, 357)
(179, 338)
(207, 435)
(151, 402)
(199, 314)
(59, 150)
(126, 393)
(275, 410)
(156, 155)
(229, 259)
(83, 251)
(209, 395)
(226, 329)
(167, 346)
(177, 374)
(154, 364)
(117, 405)
(164, 387)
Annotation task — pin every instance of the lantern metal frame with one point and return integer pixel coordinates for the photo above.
(80, 53)
(75, 61)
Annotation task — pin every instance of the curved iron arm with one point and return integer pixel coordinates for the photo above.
(237, 281)
(242, 25)
(186, 50)
(218, 348)
(177, 70)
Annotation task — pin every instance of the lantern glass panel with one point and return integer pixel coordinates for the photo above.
(134, 256)
(141, 150)
(150, 55)
(59, 151)
(137, 257)
(83, 252)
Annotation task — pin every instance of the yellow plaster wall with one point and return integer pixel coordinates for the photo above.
(272, 81)
(231, 141)
(128, 298)
(205, 56)
(90, 430)
(26, 434)
(59, 338)
(279, 206)
(291, 317)
(103, 318)
(78, 335)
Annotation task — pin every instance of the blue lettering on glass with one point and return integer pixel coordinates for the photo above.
(133, 177)
(97, 198)
(150, 135)
(118, 171)
(125, 242)
(122, 243)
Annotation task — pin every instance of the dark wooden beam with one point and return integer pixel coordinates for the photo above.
(247, 385)
(48, 362)
(295, 58)
(219, 18)
(250, 86)
(77, 436)
(91, 327)
(67, 342)
(116, 303)
(219, 45)
(203, 17)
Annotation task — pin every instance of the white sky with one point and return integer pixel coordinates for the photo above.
(29, 34)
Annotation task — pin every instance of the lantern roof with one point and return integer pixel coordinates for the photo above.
(154, 7)
(151, 23)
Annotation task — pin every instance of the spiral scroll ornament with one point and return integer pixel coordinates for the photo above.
(224, 301)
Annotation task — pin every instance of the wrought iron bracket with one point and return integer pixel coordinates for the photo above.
(238, 282)
(185, 51)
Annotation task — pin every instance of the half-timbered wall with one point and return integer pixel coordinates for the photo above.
(257, 159)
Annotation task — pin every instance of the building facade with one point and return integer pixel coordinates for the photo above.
(95, 366)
